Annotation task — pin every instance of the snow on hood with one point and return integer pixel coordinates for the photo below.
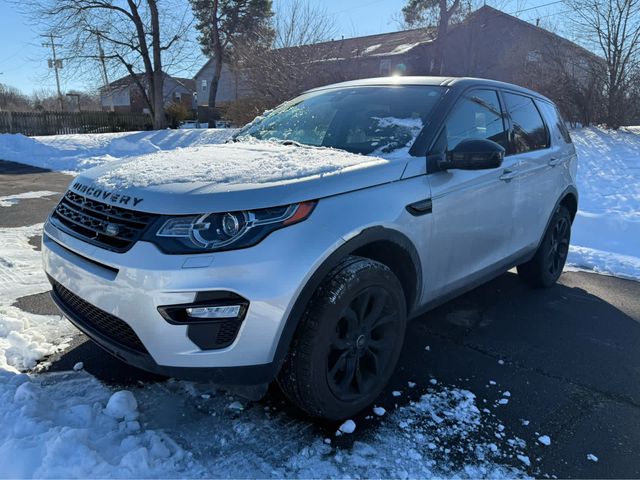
(241, 163)
(241, 175)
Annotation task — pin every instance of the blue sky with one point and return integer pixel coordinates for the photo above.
(23, 58)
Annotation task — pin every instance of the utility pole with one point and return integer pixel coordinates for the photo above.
(55, 63)
(105, 77)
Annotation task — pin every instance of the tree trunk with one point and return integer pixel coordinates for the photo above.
(441, 40)
(217, 51)
(213, 89)
(157, 97)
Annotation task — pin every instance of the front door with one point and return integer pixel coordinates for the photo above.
(473, 209)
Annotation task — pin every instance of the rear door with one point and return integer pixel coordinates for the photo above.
(538, 185)
(473, 209)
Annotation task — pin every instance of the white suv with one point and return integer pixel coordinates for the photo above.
(298, 250)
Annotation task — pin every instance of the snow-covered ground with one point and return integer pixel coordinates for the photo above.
(72, 425)
(606, 233)
(74, 153)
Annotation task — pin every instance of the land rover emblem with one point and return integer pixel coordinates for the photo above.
(112, 229)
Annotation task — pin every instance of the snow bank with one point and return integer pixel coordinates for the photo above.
(606, 232)
(25, 338)
(75, 153)
(59, 426)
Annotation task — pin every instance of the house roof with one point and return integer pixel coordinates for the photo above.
(378, 45)
(487, 12)
(402, 42)
(188, 83)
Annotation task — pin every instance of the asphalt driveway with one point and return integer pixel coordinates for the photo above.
(569, 355)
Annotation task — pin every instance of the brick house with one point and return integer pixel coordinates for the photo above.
(489, 43)
(125, 94)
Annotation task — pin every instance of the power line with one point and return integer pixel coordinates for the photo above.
(534, 8)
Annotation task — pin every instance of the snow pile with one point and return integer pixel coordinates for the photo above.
(25, 337)
(59, 425)
(63, 425)
(247, 162)
(606, 232)
(75, 153)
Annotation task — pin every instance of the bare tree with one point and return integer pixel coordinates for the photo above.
(613, 28)
(297, 61)
(12, 99)
(302, 23)
(139, 37)
(44, 99)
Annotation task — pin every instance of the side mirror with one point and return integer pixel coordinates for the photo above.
(474, 155)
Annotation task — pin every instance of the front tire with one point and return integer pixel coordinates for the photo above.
(544, 269)
(348, 341)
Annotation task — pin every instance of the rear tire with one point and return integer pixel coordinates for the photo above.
(544, 269)
(348, 341)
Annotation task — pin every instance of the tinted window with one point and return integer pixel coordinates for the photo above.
(529, 132)
(558, 128)
(382, 121)
(477, 115)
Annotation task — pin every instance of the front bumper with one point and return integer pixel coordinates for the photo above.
(249, 375)
(132, 285)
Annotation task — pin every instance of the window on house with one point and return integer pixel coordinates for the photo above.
(178, 96)
(204, 85)
(476, 116)
(529, 131)
(385, 67)
(534, 56)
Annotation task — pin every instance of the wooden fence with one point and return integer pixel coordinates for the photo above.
(59, 123)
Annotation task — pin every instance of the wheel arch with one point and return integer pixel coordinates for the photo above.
(569, 199)
(385, 245)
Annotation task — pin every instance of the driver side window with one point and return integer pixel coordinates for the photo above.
(476, 116)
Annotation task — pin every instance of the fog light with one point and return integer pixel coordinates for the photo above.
(223, 311)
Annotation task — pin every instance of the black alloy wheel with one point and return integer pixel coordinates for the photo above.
(348, 341)
(362, 343)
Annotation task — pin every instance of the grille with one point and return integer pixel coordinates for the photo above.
(102, 322)
(110, 227)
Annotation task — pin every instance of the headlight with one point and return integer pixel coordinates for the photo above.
(225, 231)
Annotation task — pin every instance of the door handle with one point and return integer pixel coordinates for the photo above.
(554, 162)
(508, 175)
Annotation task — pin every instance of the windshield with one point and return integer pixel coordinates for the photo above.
(380, 120)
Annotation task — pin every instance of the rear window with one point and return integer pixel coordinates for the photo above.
(559, 130)
(529, 131)
(379, 120)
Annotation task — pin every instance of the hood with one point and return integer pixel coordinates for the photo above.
(233, 176)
